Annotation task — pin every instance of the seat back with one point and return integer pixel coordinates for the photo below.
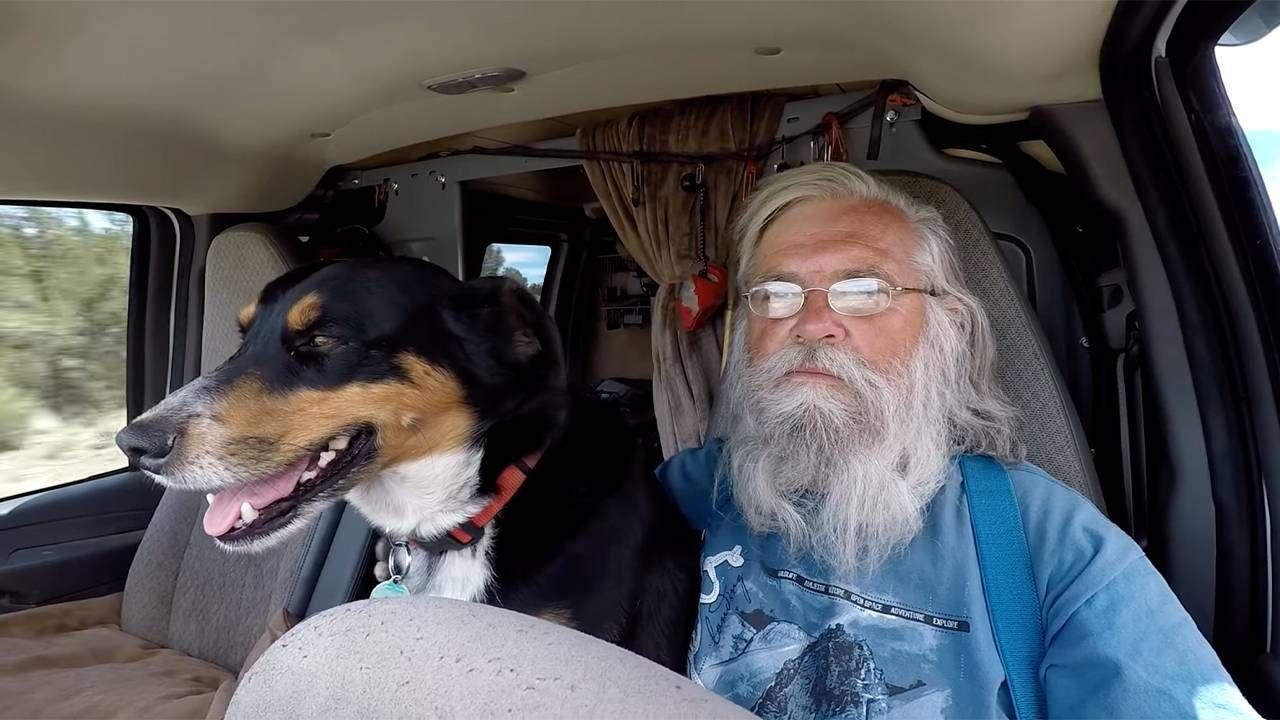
(1048, 424)
(183, 591)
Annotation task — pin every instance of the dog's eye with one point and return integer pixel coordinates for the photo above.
(322, 341)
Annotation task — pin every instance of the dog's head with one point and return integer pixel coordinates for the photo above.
(350, 374)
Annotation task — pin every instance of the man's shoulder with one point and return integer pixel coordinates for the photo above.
(1033, 483)
(689, 477)
(1047, 502)
(1053, 511)
(1075, 550)
(700, 460)
(1041, 497)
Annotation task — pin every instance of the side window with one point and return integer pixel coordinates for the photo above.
(1248, 72)
(526, 264)
(64, 296)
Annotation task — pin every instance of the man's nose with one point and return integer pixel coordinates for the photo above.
(148, 442)
(817, 322)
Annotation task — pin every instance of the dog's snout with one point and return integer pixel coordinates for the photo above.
(148, 442)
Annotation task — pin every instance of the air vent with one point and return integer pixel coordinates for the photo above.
(473, 81)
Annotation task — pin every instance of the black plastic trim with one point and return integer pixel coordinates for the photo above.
(1181, 530)
(1242, 241)
(185, 245)
(1144, 92)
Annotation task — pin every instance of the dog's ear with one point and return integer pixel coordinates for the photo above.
(506, 312)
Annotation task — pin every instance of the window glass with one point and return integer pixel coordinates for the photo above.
(1249, 74)
(64, 298)
(526, 264)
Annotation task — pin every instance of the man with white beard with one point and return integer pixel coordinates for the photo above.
(840, 570)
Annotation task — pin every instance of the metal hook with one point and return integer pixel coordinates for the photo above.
(637, 194)
(782, 165)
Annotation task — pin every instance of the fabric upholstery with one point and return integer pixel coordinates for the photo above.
(71, 660)
(660, 233)
(186, 593)
(1026, 371)
(240, 261)
(426, 657)
(183, 591)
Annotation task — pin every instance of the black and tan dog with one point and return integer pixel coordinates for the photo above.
(425, 401)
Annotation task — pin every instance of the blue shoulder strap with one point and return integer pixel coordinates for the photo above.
(1012, 601)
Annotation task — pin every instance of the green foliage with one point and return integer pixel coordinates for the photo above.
(15, 412)
(516, 275)
(64, 288)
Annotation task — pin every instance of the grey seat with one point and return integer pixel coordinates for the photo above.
(184, 592)
(191, 612)
(427, 657)
(1048, 424)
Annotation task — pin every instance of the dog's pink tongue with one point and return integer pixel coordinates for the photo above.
(224, 510)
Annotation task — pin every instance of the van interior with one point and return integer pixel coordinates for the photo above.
(1121, 223)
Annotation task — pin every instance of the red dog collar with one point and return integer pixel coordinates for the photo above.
(466, 533)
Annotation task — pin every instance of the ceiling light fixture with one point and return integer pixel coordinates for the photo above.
(473, 81)
(768, 51)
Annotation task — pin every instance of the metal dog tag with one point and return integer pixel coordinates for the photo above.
(392, 588)
(398, 558)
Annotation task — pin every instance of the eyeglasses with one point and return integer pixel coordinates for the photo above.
(858, 297)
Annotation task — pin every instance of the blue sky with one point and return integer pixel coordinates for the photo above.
(530, 260)
(1248, 72)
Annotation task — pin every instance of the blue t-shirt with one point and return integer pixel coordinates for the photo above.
(785, 637)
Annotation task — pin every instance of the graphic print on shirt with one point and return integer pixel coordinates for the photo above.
(709, 565)
(784, 645)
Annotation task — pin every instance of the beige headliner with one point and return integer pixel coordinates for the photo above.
(210, 106)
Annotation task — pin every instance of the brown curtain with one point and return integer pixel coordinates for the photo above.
(661, 231)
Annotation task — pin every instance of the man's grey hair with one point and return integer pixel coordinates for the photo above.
(986, 420)
(839, 181)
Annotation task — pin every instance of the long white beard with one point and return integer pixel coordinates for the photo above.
(843, 472)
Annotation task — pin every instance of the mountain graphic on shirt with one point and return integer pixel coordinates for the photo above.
(730, 638)
(835, 676)
(743, 676)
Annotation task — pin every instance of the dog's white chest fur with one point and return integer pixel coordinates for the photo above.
(457, 575)
(425, 498)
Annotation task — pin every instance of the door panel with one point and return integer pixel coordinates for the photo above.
(74, 541)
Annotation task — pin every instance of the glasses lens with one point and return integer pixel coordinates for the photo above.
(859, 296)
(776, 299)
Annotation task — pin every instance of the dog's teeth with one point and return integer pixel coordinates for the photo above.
(247, 513)
(326, 457)
(339, 443)
(208, 497)
(309, 475)
(239, 524)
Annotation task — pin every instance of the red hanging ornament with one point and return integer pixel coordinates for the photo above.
(701, 296)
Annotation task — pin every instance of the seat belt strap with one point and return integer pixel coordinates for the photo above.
(1004, 561)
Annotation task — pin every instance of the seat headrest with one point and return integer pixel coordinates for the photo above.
(1025, 368)
(241, 260)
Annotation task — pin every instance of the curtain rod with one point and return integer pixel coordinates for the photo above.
(643, 156)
